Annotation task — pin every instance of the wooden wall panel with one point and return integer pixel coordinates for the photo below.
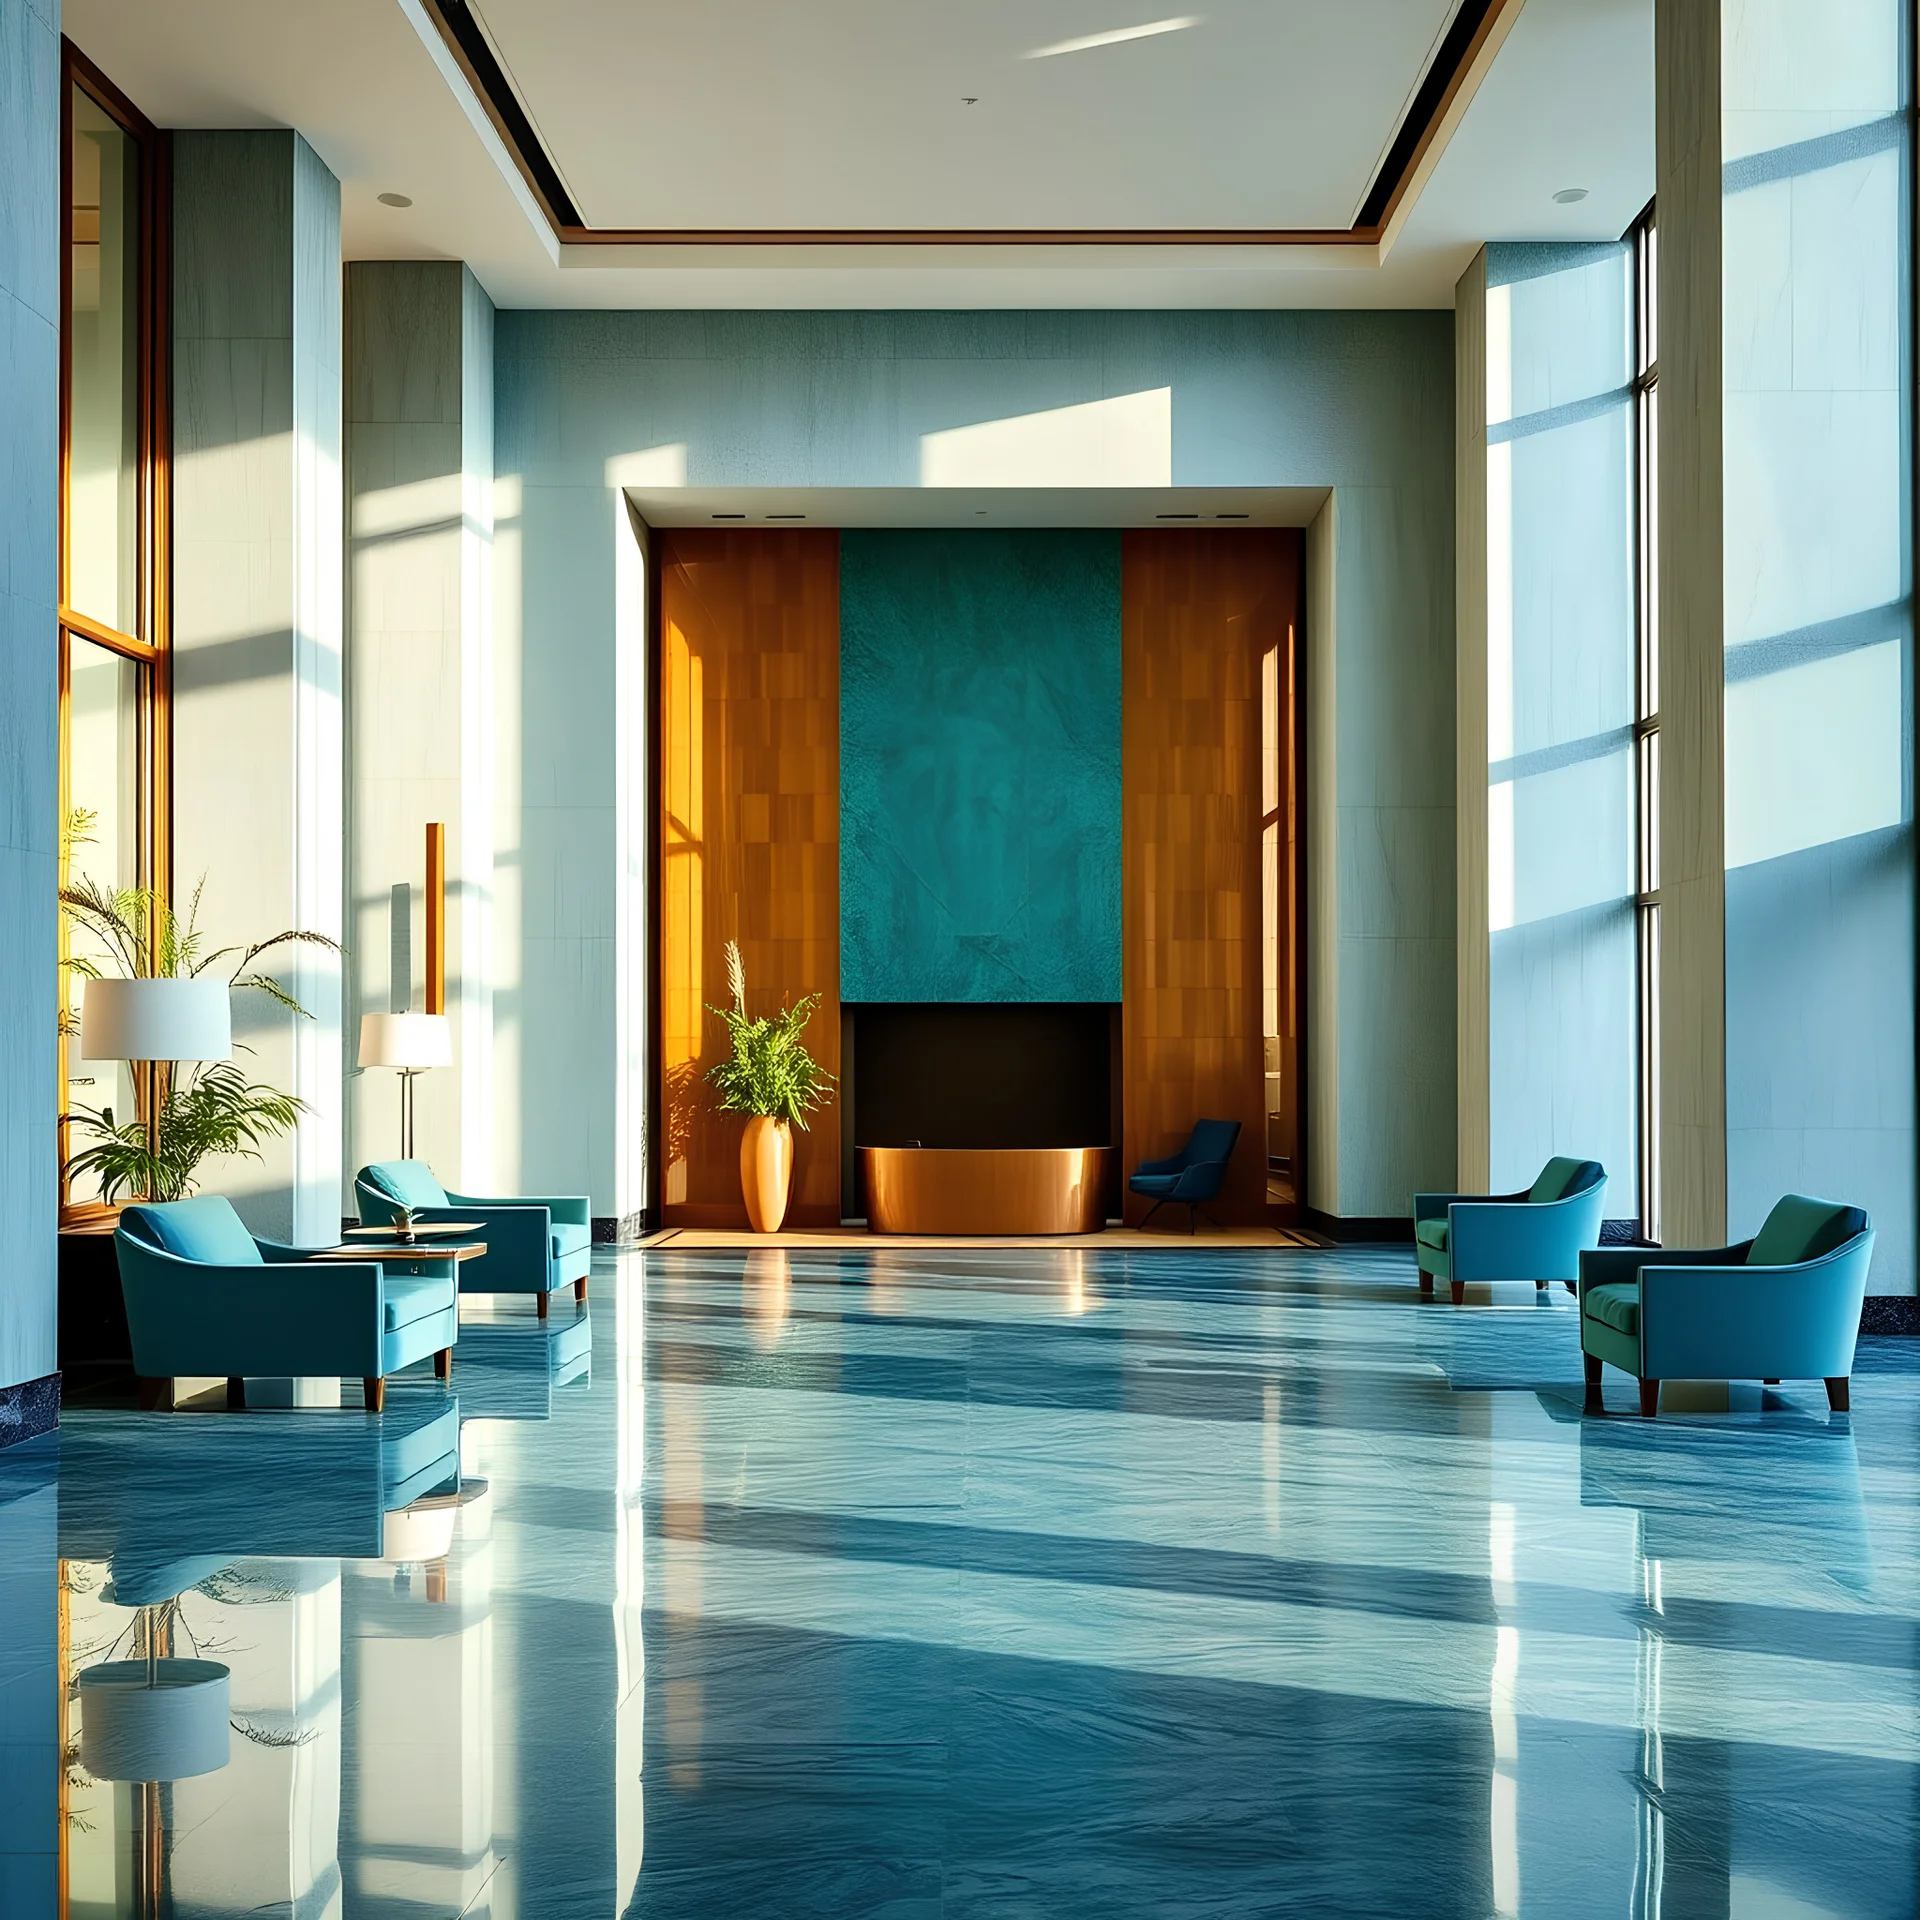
(750, 803)
(1198, 610)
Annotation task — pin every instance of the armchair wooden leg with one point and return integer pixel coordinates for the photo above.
(1649, 1398)
(1539, 1286)
(1840, 1395)
(443, 1364)
(580, 1289)
(236, 1392)
(1426, 1282)
(542, 1305)
(1459, 1293)
(1590, 1366)
(376, 1392)
(1771, 1383)
(156, 1395)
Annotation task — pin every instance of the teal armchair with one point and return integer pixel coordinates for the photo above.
(1784, 1305)
(534, 1246)
(1536, 1235)
(204, 1296)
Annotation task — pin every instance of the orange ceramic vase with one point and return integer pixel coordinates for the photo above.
(766, 1171)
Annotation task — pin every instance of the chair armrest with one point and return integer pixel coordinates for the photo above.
(1603, 1266)
(568, 1209)
(513, 1230)
(1433, 1206)
(1728, 1321)
(1172, 1164)
(1508, 1240)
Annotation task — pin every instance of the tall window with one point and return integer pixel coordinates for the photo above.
(1646, 385)
(113, 537)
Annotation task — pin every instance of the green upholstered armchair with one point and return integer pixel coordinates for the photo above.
(205, 1297)
(534, 1246)
(1535, 1235)
(1784, 1305)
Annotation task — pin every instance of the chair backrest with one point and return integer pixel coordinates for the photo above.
(206, 1229)
(407, 1183)
(1211, 1143)
(1562, 1177)
(1802, 1229)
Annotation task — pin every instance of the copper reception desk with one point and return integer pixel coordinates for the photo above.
(986, 1190)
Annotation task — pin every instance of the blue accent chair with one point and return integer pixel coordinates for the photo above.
(205, 1296)
(1192, 1176)
(1536, 1235)
(533, 1245)
(1784, 1305)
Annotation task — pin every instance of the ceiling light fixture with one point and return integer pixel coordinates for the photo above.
(395, 200)
(1233, 516)
(786, 516)
(727, 516)
(1088, 41)
(1176, 516)
(1569, 196)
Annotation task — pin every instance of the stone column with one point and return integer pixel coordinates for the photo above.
(257, 621)
(29, 704)
(420, 730)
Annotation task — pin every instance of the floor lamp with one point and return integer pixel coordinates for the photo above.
(412, 1042)
(162, 1022)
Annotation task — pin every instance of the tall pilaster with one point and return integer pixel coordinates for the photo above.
(257, 620)
(419, 411)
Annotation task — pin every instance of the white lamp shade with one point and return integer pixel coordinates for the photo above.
(412, 1040)
(156, 1020)
(172, 1729)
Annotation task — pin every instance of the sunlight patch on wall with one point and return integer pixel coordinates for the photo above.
(661, 466)
(1124, 441)
(1814, 754)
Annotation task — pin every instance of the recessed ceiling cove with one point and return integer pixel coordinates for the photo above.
(980, 115)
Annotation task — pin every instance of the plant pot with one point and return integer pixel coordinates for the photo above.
(766, 1171)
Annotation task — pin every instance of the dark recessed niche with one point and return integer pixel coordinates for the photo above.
(971, 1075)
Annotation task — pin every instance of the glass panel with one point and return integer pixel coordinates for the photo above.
(103, 328)
(103, 842)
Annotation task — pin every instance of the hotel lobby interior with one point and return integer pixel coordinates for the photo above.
(958, 960)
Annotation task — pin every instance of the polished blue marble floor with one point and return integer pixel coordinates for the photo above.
(990, 1584)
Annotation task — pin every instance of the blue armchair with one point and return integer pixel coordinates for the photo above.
(533, 1246)
(1536, 1235)
(204, 1296)
(1784, 1305)
(1192, 1176)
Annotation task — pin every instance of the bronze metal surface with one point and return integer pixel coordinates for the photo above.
(986, 1190)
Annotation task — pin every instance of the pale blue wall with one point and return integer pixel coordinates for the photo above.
(1819, 635)
(1562, 1024)
(29, 679)
(980, 765)
(1360, 402)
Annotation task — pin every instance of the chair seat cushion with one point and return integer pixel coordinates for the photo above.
(411, 1297)
(1432, 1233)
(1616, 1305)
(570, 1237)
(1153, 1184)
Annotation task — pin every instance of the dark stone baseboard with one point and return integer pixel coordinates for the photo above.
(1890, 1313)
(29, 1410)
(1353, 1229)
(618, 1230)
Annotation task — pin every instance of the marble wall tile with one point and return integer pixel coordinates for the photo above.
(29, 748)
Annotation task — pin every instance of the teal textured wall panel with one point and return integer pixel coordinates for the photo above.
(980, 766)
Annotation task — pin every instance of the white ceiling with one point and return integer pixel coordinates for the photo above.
(1569, 102)
(977, 506)
(852, 113)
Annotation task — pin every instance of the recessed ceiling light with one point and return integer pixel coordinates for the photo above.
(1087, 41)
(786, 516)
(1176, 516)
(1569, 196)
(395, 200)
(728, 516)
(1233, 516)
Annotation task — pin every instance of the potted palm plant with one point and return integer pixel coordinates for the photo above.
(207, 1108)
(776, 1083)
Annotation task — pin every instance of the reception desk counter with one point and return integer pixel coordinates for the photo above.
(997, 1190)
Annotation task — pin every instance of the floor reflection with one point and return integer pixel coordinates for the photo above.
(974, 1584)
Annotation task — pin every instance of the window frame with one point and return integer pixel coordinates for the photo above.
(1643, 239)
(150, 647)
